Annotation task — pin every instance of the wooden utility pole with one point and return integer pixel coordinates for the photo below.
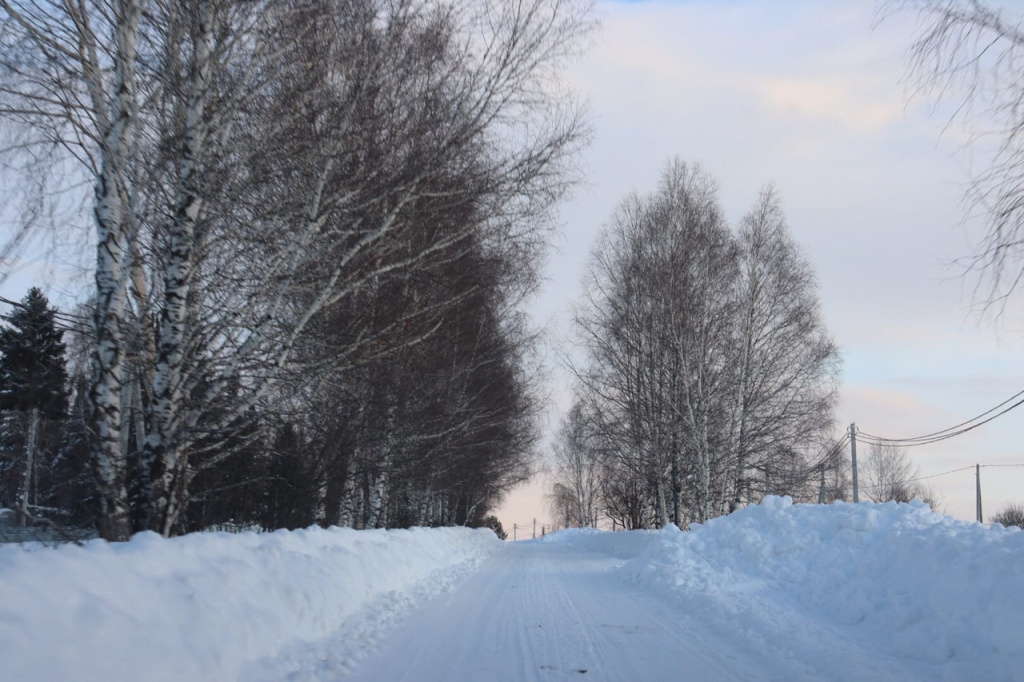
(853, 456)
(977, 479)
(821, 488)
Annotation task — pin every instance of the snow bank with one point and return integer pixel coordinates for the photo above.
(942, 598)
(807, 589)
(205, 606)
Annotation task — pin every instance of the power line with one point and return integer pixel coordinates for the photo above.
(830, 454)
(951, 428)
(944, 473)
(950, 432)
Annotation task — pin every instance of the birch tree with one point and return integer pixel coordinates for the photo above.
(576, 471)
(785, 364)
(258, 164)
(699, 273)
(709, 374)
(613, 324)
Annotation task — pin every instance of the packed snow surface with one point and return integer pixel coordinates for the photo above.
(938, 597)
(218, 606)
(772, 592)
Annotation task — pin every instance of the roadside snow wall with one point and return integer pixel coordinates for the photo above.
(945, 597)
(204, 606)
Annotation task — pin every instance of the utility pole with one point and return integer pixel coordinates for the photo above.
(514, 527)
(821, 488)
(535, 529)
(853, 455)
(977, 478)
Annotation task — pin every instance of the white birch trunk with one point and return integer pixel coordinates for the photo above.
(30, 460)
(113, 234)
(347, 508)
(165, 454)
(379, 496)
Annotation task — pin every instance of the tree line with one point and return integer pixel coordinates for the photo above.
(277, 470)
(314, 221)
(706, 378)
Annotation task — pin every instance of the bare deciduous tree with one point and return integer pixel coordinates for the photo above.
(1010, 515)
(710, 376)
(259, 164)
(888, 473)
(786, 364)
(890, 476)
(576, 471)
(972, 54)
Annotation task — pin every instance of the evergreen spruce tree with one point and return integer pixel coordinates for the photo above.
(33, 373)
(71, 489)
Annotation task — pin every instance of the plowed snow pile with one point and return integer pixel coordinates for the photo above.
(944, 598)
(776, 591)
(203, 606)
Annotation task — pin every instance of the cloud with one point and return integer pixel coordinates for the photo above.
(667, 59)
(840, 102)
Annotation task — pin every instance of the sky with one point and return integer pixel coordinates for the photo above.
(813, 97)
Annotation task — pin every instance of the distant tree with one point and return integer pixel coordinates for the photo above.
(709, 375)
(494, 524)
(70, 488)
(562, 505)
(577, 472)
(33, 374)
(71, 484)
(287, 503)
(625, 492)
(889, 475)
(930, 497)
(1010, 515)
(838, 478)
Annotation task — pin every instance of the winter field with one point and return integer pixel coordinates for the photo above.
(774, 592)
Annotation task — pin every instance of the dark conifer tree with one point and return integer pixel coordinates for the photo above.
(70, 489)
(33, 368)
(33, 374)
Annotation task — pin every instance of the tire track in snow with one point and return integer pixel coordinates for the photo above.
(543, 613)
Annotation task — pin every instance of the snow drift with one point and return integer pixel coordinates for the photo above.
(936, 597)
(204, 606)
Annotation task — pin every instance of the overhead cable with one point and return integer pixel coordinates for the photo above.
(950, 432)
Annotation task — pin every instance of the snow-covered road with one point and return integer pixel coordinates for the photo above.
(777, 591)
(539, 612)
(552, 612)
